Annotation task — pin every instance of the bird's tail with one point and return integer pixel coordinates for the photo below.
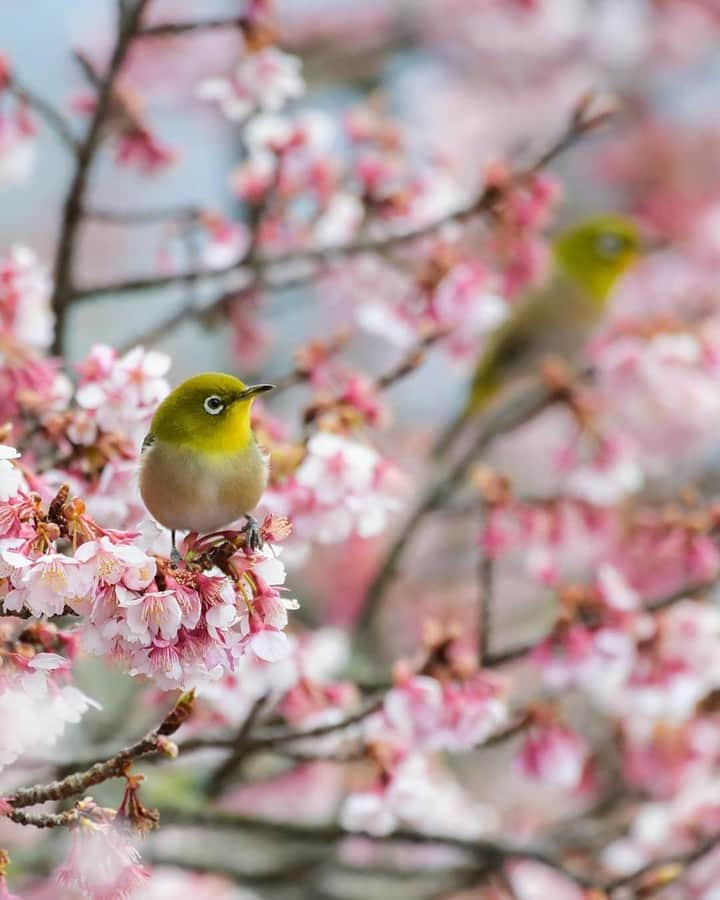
(482, 392)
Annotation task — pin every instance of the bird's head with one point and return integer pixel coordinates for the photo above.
(209, 412)
(597, 251)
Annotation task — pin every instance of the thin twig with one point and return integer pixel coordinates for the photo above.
(132, 217)
(482, 849)
(174, 29)
(275, 737)
(680, 861)
(63, 292)
(240, 747)
(485, 584)
(52, 117)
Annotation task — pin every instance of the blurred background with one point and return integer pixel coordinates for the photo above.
(453, 91)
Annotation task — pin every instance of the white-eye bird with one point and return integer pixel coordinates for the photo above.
(201, 467)
(557, 319)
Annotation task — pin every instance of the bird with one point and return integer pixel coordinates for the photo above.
(200, 465)
(588, 258)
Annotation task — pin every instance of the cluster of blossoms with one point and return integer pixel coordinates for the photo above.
(303, 686)
(178, 625)
(28, 380)
(37, 698)
(409, 793)
(340, 488)
(444, 704)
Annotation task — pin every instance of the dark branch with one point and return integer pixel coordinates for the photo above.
(54, 119)
(132, 217)
(485, 585)
(691, 591)
(486, 850)
(175, 29)
(128, 25)
(44, 820)
(239, 749)
(115, 767)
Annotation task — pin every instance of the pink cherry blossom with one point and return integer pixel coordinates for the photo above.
(37, 702)
(337, 490)
(554, 755)
(265, 81)
(455, 715)
(102, 863)
(18, 140)
(416, 796)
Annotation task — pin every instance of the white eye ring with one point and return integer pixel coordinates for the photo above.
(213, 405)
(608, 245)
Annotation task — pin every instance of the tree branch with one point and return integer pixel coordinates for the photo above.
(519, 408)
(63, 292)
(175, 29)
(115, 767)
(485, 585)
(492, 851)
(52, 117)
(275, 737)
(44, 820)
(512, 654)
(132, 217)
(488, 852)
(239, 749)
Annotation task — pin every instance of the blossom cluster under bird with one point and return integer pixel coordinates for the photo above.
(201, 467)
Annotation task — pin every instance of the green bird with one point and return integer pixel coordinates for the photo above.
(556, 320)
(201, 467)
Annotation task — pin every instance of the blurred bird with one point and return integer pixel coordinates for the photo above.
(201, 467)
(588, 260)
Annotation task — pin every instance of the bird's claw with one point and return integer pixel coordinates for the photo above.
(175, 558)
(253, 535)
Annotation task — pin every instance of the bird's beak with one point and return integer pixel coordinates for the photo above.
(253, 389)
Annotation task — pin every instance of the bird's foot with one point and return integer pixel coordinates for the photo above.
(175, 558)
(253, 535)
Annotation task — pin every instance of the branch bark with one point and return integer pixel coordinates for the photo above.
(114, 767)
(175, 29)
(52, 117)
(128, 25)
(239, 749)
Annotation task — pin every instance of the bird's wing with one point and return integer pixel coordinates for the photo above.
(554, 320)
(148, 441)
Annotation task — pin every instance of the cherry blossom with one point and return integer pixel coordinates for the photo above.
(102, 862)
(37, 699)
(339, 489)
(18, 140)
(554, 755)
(262, 81)
(414, 795)
(455, 715)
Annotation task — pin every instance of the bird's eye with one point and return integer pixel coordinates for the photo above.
(213, 405)
(608, 245)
